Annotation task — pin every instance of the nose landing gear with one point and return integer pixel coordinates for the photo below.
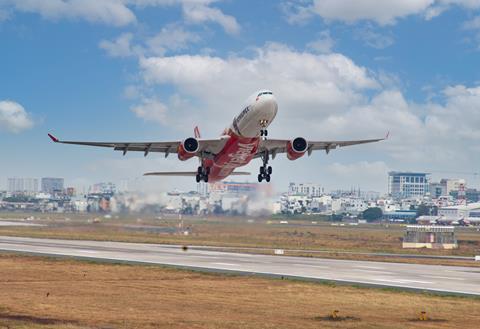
(264, 132)
(265, 171)
(202, 174)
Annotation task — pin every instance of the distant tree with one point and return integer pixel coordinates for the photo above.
(424, 210)
(336, 217)
(372, 214)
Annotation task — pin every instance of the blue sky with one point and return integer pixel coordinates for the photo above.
(153, 69)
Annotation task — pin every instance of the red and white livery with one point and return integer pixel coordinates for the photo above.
(244, 140)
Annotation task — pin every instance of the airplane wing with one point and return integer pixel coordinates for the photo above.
(275, 146)
(206, 146)
(189, 173)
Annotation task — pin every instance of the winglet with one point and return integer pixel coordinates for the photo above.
(387, 135)
(196, 132)
(53, 138)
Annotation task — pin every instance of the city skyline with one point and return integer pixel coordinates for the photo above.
(339, 70)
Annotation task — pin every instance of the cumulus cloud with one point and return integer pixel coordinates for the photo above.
(13, 117)
(120, 12)
(323, 44)
(171, 37)
(200, 13)
(111, 12)
(381, 12)
(324, 97)
(316, 84)
(120, 47)
(151, 110)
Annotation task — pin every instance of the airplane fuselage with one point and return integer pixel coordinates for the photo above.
(244, 135)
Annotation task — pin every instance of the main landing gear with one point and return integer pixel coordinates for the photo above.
(265, 171)
(202, 174)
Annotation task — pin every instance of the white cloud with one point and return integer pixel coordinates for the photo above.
(13, 117)
(473, 24)
(374, 39)
(119, 12)
(324, 97)
(171, 37)
(323, 44)
(151, 110)
(120, 47)
(381, 12)
(314, 84)
(111, 12)
(198, 12)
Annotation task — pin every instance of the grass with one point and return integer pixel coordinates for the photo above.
(38, 292)
(240, 232)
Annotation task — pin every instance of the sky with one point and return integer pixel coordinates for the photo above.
(151, 70)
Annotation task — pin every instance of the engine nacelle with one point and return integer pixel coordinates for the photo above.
(187, 149)
(296, 148)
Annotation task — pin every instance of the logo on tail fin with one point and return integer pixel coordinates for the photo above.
(196, 131)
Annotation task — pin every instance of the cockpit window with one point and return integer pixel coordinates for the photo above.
(265, 93)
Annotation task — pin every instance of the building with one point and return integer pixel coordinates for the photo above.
(408, 184)
(449, 185)
(429, 236)
(52, 185)
(437, 190)
(233, 188)
(24, 185)
(103, 188)
(308, 189)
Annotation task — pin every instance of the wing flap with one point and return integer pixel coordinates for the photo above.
(275, 146)
(211, 146)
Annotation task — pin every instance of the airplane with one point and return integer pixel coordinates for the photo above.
(245, 139)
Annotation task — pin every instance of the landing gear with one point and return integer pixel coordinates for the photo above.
(265, 171)
(264, 132)
(202, 174)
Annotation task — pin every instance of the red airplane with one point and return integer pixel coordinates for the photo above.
(244, 140)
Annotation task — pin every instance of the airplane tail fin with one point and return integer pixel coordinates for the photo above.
(196, 132)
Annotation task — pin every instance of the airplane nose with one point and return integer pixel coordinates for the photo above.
(267, 104)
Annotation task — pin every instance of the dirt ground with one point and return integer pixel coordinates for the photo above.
(38, 292)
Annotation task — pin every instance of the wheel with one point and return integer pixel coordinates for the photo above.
(265, 133)
(205, 178)
(261, 132)
(269, 170)
(267, 178)
(262, 170)
(198, 178)
(199, 170)
(260, 178)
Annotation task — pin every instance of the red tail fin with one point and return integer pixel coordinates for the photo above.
(196, 131)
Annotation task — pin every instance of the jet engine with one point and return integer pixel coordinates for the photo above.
(187, 149)
(296, 148)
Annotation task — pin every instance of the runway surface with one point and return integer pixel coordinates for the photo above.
(445, 279)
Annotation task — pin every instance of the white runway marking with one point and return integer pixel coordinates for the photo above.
(226, 264)
(442, 277)
(370, 267)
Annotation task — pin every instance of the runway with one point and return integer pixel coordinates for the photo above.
(444, 279)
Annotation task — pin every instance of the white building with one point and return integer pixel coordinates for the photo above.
(408, 184)
(28, 185)
(450, 185)
(308, 189)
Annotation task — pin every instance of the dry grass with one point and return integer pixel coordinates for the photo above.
(43, 293)
(238, 232)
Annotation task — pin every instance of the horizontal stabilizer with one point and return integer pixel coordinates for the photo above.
(189, 173)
